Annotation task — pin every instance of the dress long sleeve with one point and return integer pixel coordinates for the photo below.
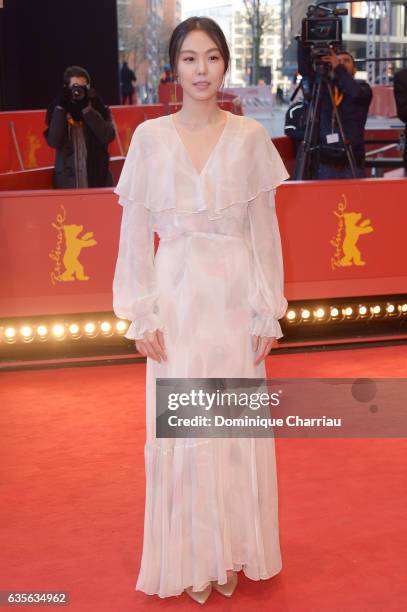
(267, 298)
(135, 292)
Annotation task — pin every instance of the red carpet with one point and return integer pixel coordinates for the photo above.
(72, 491)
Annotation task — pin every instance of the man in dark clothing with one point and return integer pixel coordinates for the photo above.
(280, 95)
(400, 95)
(127, 78)
(352, 99)
(80, 128)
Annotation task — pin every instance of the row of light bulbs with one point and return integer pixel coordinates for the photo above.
(60, 331)
(347, 312)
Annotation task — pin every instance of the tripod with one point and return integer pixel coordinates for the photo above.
(311, 135)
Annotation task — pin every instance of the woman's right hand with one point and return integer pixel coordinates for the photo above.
(152, 345)
(263, 344)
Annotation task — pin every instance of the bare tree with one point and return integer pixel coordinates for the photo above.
(131, 33)
(143, 41)
(164, 39)
(131, 21)
(260, 16)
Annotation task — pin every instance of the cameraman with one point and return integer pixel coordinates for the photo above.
(80, 128)
(352, 99)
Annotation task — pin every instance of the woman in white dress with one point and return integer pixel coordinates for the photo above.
(206, 306)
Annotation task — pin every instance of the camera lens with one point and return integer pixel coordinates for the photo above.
(77, 92)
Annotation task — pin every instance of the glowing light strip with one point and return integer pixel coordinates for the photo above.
(60, 331)
(74, 330)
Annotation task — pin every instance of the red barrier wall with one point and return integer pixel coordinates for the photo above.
(29, 127)
(41, 178)
(340, 238)
(383, 103)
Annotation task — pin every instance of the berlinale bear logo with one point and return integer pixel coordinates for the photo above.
(73, 269)
(350, 228)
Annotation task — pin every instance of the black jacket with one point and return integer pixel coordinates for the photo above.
(127, 77)
(400, 95)
(352, 110)
(99, 132)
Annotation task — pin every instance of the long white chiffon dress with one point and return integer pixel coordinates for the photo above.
(216, 279)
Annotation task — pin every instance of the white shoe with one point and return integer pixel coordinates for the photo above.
(228, 588)
(199, 596)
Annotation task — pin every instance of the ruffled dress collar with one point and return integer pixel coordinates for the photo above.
(159, 174)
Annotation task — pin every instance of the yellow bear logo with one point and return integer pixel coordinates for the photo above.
(352, 254)
(347, 235)
(33, 145)
(73, 247)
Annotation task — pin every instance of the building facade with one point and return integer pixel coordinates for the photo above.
(232, 18)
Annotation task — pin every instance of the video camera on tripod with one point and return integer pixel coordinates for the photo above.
(320, 30)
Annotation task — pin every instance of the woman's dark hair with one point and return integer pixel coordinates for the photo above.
(197, 23)
(75, 71)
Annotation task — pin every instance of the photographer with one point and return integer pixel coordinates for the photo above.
(352, 99)
(80, 128)
(400, 96)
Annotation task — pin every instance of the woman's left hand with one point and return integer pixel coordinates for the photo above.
(263, 345)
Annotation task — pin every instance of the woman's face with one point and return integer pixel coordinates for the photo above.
(200, 60)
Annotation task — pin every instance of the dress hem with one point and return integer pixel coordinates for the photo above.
(241, 569)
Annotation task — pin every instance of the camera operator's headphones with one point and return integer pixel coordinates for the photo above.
(80, 72)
